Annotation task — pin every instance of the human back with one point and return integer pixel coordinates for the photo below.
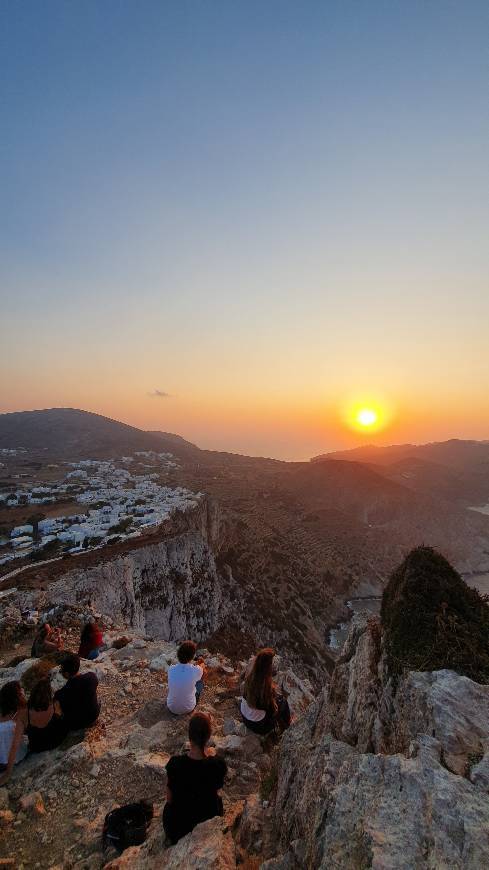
(46, 728)
(194, 781)
(263, 708)
(78, 697)
(184, 681)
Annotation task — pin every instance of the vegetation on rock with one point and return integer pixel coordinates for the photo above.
(433, 620)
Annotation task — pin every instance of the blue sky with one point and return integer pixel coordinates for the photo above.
(259, 208)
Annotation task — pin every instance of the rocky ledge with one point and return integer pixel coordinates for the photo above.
(383, 772)
(52, 810)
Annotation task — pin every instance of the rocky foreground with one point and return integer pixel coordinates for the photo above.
(376, 771)
(52, 810)
(383, 773)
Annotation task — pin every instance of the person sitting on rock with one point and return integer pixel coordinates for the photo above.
(78, 697)
(91, 642)
(46, 641)
(193, 784)
(263, 707)
(185, 680)
(13, 719)
(46, 728)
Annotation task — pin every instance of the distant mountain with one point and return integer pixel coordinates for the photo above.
(69, 432)
(454, 470)
(455, 453)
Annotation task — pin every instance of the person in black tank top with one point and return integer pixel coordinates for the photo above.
(46, 728)
(194, 780)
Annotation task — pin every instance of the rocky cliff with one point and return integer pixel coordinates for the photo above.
(383, 772)
(168, 588)
(183, 581)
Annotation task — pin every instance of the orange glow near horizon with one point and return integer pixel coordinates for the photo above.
(366, 415)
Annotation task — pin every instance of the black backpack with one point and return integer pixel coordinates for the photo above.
(127, 825)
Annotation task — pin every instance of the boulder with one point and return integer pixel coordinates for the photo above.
(450, 707)
(207, 847)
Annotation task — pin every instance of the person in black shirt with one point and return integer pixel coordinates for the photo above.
(78, 698)
(46, 727)
(194, 780)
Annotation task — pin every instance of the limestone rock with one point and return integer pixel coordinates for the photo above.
(229, 745)
(207, 847)
(446, 705)
(338, 805)
(250, 835)
(355, 686)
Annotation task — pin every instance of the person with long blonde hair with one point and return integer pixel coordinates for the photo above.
(263, 707)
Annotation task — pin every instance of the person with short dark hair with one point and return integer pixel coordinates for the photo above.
(91, 642)
(78, 697)
(194, 781)
(13, 719)
(263, 707)
(46, 728)
(185, 680)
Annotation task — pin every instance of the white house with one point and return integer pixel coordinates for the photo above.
(21, 530)
(21, 542)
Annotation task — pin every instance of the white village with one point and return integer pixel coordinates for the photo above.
(115, 504)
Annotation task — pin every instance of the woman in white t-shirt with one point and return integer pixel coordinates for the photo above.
(185, 680)
(13, 717)
(263, 708)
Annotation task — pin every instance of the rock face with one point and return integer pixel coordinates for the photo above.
(168, 589)
(208, 847)
(383, 775)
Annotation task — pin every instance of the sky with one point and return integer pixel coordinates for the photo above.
(237, 220)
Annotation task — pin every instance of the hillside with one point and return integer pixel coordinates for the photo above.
(453, 470)
(72, 433)
(299, 535)
(455, 453)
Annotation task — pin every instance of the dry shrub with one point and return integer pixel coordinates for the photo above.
(432, 620)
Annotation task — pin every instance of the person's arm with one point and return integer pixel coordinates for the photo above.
(49, 646)
(18, 734)
(201, 667)
(201, 664)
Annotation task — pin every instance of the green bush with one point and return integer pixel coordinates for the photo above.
(432, 620)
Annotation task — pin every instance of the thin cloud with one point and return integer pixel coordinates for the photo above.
(159, 394)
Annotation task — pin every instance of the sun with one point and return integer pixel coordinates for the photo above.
(366, 414)
(367, 417)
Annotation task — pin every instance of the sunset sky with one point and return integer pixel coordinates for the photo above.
(269, 211)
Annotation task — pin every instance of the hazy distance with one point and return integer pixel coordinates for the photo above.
(228, 220)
